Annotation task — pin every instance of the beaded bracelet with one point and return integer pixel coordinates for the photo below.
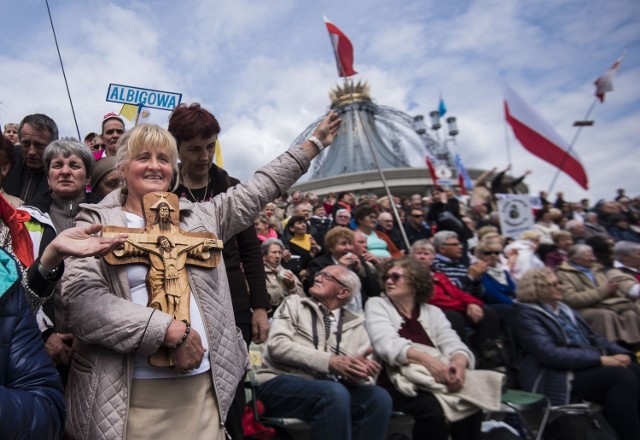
(184, 337)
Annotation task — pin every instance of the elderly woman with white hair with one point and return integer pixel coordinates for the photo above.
(586, 289)
(281, 282)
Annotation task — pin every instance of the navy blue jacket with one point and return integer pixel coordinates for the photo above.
(548, 356)
(31, 394)
(496, 293)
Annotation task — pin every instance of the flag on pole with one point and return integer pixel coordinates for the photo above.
(129, 111)
(604, 83)
(540, 139)
(144, 115)
(432, 170)
(342, 49)
(464, 181)
(218, 161)
(442, 109)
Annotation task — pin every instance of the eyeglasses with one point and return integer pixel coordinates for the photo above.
(395, 277)
(492, 252)
(328, 276)
(114, 130)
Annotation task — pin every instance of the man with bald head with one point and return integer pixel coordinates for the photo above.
(27, 177)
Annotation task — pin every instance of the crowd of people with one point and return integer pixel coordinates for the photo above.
(361, 304)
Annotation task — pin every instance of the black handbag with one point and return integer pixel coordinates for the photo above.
(579, 422)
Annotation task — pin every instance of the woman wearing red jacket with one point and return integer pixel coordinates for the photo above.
(464, 311)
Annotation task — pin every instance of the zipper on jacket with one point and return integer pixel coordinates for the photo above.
(224, 429)
(211, 363)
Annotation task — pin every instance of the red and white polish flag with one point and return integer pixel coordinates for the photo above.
(604, 83)
(540, 139)
(342, 49)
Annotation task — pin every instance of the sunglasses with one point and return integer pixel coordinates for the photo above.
(395, 277)
(492, 252)
(417, 215)
(99, 146)
(451, 244)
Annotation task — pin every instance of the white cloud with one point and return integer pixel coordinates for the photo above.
(265, 69)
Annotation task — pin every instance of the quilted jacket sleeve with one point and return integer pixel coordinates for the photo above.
(237, 208)
(31, 395)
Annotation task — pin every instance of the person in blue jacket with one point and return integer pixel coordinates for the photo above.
(31, 395)
(564, 359)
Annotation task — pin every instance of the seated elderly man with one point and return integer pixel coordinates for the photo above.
(449, 251)
(586, 289)
(339, 243)
(315, 364)
(626, 269)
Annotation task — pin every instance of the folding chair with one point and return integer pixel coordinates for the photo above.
(531, 409)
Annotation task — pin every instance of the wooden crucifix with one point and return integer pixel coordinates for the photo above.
(167, 250)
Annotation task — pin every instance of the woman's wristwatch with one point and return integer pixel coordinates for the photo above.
(49, 275)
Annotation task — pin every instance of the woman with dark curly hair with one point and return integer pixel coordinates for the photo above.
(425, 361)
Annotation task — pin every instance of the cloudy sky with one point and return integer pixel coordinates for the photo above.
(265, 68)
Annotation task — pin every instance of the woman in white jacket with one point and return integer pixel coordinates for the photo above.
(404, 330)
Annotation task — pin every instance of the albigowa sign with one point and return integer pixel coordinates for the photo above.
(147, 97)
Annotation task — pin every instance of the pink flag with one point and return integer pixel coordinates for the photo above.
(342, 49)
(604, 83)
(537, 136)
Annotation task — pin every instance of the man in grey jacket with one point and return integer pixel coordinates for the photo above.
(315, 364)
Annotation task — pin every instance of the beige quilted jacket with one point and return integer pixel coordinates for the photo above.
(111, 328)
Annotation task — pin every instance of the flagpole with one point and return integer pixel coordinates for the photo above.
(384, 181)
(342, 73)
(507, 143)
(570, 149)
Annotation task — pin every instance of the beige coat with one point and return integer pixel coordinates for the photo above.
(586, 297)
(625, 280)
(290, 349)
(111, 328)
(277, 289)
